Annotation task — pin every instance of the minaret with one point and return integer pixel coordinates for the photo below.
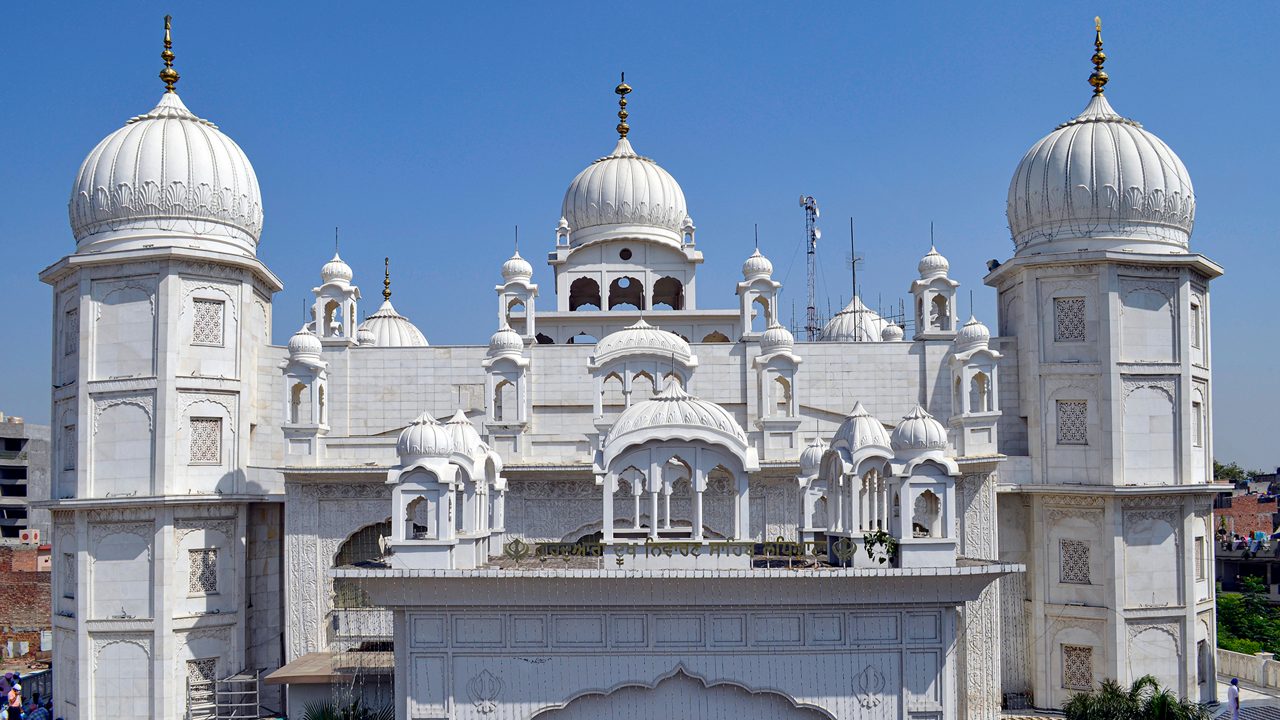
(1109, 308)
(161, 314)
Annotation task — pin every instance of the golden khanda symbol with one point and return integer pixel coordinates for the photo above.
(484, 689)
(516, 550)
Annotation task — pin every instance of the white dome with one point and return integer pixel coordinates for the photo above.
(919, 431)
(855, 323)
(972, 335)
(776, 338)
(365, 337)
(756, 266)
(933, 265)
(167, 177)
(641, 339)
(517, 268)
(466, 439)
(1100, 181)
(506, 341)
(860, 429)
(423, 438)
(675, 409)
(336, 270)
(391, 329)
(304, 344)
(892, 333)
(624, 195)
(811, 457)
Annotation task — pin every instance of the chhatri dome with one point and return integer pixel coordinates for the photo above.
(855, 323)
(1101, 182)
(624, 195)
(167, 177)
(389, 328)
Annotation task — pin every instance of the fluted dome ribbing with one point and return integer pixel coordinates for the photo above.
(1098, 182)
(424, 438)
(516, 268)
(336, 270)
(811, 457)
(505, 342)
(933, 264)
(167, 177)
(776, 338)
(304, 344)
(860, 429)
(918, 431)
(642, 338)
(891, 333)
(624, 195)
(974, 334)
(674, 408)
(756, 266)
(391, 329)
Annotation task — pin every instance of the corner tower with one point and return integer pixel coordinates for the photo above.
(1107, 306)
(159, 315)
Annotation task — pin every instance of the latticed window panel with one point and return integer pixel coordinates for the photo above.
(69, 575)
(71, 332)
(1073, 422)
(69, 447)
(1068, 319)
(1074, 561)
(202, 574)
(206, 440)
(203, 670)
(206, 322)
(1200, 558)
(1077, 667)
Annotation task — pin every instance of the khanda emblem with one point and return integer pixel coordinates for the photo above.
(484, 689)
(870, 683)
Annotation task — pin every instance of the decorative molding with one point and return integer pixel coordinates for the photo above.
(183, 527)
(102, 641)
(1168, 628)
(227, 290)
(202, 209)
(121, 286)
(102, 403)
(1165, 384)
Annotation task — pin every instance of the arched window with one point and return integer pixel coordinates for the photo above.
(642, 387)
(584, 293)
(939, 317)
(925, 516)
(626, 291)
(759, 314)
(782, 392)
(978, 393)
(667, 291)
(715, 337)
(504, 400)
(417, 515)
(296, 396)
(611, 395)
(581, 339)
(332, 318)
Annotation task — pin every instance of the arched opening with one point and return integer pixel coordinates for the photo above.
(581, 339)
(417, 516)
(926, 515)
(682, 696)
(516, 315)
(642, 386)
(611, 396)
(668, 291)
(782, 395)
(715, 337)
(544, 339)
(504, 400)
(939, 316)
(364, 548)
(626, 291)
(759, 314)
(296, 396)
(584, 293)
(978, 393)
(332, 318)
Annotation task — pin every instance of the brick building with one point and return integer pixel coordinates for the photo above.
(24, 602)
(1245, 514)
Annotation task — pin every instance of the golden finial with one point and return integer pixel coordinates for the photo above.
(168, 74)
(622, 90)
(386, 278)
(1099, 76)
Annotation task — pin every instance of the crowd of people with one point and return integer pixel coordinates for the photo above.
(17, 706)
(1253, 543)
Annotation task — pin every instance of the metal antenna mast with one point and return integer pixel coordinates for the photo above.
(854, 259)
(812, 233)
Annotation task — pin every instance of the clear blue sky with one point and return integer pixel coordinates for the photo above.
(428, 130)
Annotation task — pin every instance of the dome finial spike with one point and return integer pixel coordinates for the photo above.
(622, 90)
(335, 241)
(168, 74)
(1098, 78)
(757, 237)
(517, 239)
(386, 278)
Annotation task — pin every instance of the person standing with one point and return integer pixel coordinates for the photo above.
(1233, 699)
(14, 701)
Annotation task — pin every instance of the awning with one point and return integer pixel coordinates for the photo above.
(320, 668)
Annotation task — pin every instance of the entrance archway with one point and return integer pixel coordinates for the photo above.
(682, 696)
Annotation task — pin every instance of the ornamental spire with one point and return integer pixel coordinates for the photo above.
(1099, 76)
(623, 89)
(168, 74)
(386, 278)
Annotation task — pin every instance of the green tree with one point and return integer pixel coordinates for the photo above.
(1144, 700)
(1232, 472)
(1247, 622)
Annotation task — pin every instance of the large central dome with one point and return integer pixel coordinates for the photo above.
(624, 195)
